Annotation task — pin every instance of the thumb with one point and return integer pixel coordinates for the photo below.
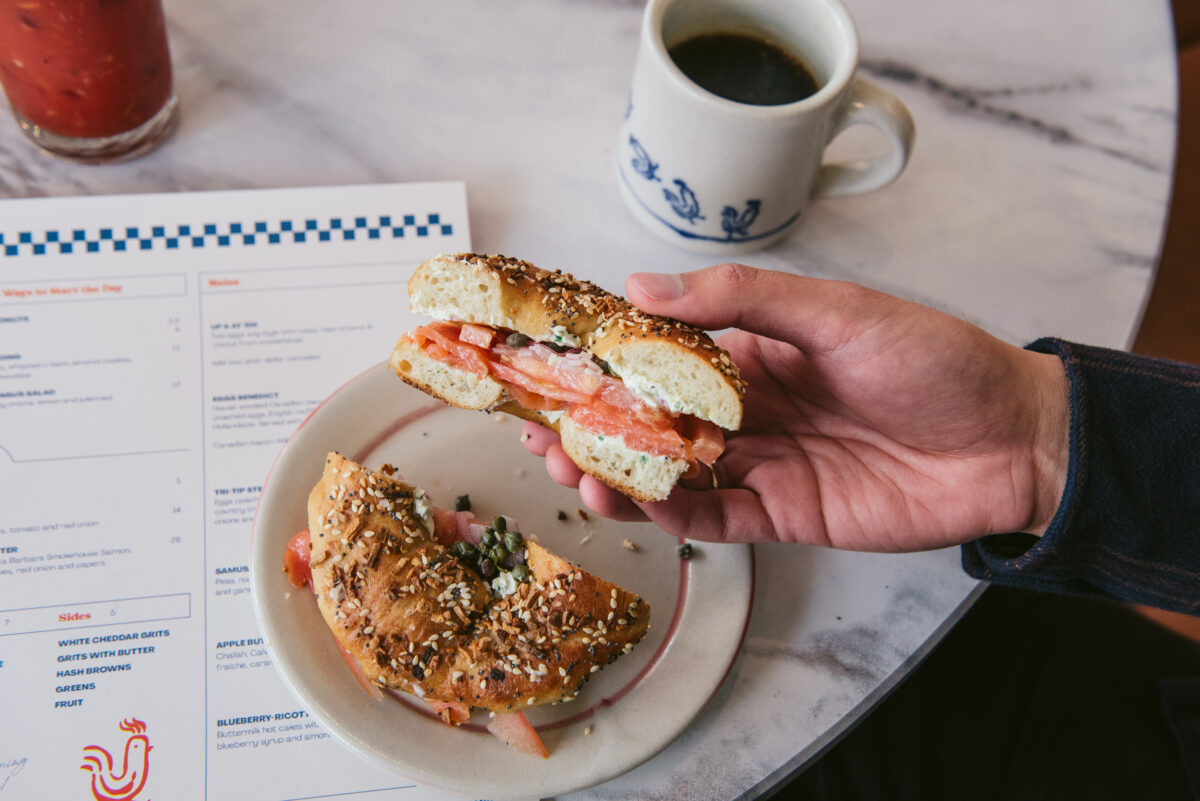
(810, 313)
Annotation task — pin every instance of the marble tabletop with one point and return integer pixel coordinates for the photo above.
(1034, 204)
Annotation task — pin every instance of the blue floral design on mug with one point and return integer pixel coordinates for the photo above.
(681, 204)
(641, 162)
(684, 204)
(738, 225)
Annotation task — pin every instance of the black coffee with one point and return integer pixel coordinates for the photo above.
(744, 68)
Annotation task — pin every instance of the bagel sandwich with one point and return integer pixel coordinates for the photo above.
(638, 400)
(460, 614)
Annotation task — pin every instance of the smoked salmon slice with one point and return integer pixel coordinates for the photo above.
(543, 379)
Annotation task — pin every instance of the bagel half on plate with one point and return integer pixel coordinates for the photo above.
(638, 400)
(458, 613)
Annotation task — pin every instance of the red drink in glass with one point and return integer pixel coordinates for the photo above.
(88, 79)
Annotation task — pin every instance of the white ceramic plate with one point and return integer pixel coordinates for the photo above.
(636, 706)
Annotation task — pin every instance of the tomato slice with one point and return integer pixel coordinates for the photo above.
(445, 526)
(478, 335)
(452, 713)
(372, 690)
(296, 559)
(515, 730)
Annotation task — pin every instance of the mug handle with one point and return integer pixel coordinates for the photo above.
(883, 111)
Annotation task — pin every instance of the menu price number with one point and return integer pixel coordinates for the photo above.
(176, 509)
(174, 330)
(175, 539)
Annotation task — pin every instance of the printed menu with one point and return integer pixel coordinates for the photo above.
(156, 351)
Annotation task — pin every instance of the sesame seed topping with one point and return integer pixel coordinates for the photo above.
(589, 311)
(455, 620)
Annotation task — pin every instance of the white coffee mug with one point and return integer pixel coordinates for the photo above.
(718, 176)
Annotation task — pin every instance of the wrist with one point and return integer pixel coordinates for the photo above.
(1050, 446)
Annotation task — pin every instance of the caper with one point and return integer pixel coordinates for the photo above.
(517, 340)
(512, 540)
(499, 554)
(465, 550)
(499, 524)
(462, 503)
(684, 551)
(487, 568)
(520, 573)
(487, 540)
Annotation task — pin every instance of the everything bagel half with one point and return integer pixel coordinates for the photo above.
(458, 613)
(638, 400)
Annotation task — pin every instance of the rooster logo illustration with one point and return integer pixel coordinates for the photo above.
(124, 781)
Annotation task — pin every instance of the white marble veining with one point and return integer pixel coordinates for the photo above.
(1034, 204)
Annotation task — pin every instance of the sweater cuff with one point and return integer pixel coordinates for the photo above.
(1128, 524)
(1014, 559)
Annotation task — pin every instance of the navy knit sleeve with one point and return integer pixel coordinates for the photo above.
(1128, 526)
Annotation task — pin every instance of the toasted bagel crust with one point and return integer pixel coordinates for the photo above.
(669, 362)
(417, 620)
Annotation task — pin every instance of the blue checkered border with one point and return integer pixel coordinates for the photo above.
(214, 235)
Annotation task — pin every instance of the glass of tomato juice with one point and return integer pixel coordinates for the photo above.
(88, 79)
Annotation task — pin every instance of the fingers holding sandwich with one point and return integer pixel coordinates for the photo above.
(537, 439)
(806, 312)
(694, 509)
(596, 496)
(708, 515)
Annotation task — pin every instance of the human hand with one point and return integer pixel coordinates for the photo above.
(871, 423)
